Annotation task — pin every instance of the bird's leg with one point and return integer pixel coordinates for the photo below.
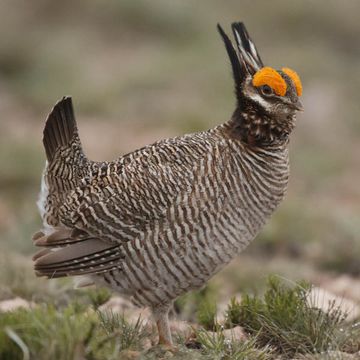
(162, 323)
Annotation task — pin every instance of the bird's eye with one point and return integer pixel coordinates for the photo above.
(266, 90)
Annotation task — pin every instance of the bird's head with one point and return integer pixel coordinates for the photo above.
(267, 99)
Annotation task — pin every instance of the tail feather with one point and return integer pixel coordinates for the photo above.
(60, 129)
(67, 164)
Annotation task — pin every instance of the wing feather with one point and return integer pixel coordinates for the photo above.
(83, 256)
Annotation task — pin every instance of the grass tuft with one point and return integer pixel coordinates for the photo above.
(128, 336)
(216, 346)
(73, 332)
(44, 333)
(284, 319)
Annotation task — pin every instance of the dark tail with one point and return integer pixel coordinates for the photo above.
(67, 163)
(60, 129)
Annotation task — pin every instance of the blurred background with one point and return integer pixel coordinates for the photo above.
(143, 70)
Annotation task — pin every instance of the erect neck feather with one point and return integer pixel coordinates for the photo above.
(254, 126)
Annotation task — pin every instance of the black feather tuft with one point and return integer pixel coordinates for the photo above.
(238, 70)
(247, 47)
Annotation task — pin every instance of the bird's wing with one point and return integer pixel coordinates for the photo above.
(140, 192)
(72, 252)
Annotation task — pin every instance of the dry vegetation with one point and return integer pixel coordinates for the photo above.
(139, 71)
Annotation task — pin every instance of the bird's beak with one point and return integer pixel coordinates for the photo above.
(298, 106)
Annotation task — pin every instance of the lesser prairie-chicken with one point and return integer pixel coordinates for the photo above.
(162, 220)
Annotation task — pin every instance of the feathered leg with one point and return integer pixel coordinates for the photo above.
(161, 316)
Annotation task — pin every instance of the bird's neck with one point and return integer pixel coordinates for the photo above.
(253, 126)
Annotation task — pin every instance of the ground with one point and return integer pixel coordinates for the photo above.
(139, 72)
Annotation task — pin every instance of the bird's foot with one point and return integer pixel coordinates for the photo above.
(166, 345)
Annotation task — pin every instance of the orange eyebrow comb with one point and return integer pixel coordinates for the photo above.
(269, 76)
(295, 78)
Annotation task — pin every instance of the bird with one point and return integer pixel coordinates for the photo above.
(162, 220)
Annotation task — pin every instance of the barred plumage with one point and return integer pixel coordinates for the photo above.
(163, 219)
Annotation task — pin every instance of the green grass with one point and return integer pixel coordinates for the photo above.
(284, 319)
(216, 346)
(125, 335)
(279, 323)
(98, 296)
(50, 333)
(206, 314)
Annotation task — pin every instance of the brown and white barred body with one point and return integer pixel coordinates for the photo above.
(162, 220)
